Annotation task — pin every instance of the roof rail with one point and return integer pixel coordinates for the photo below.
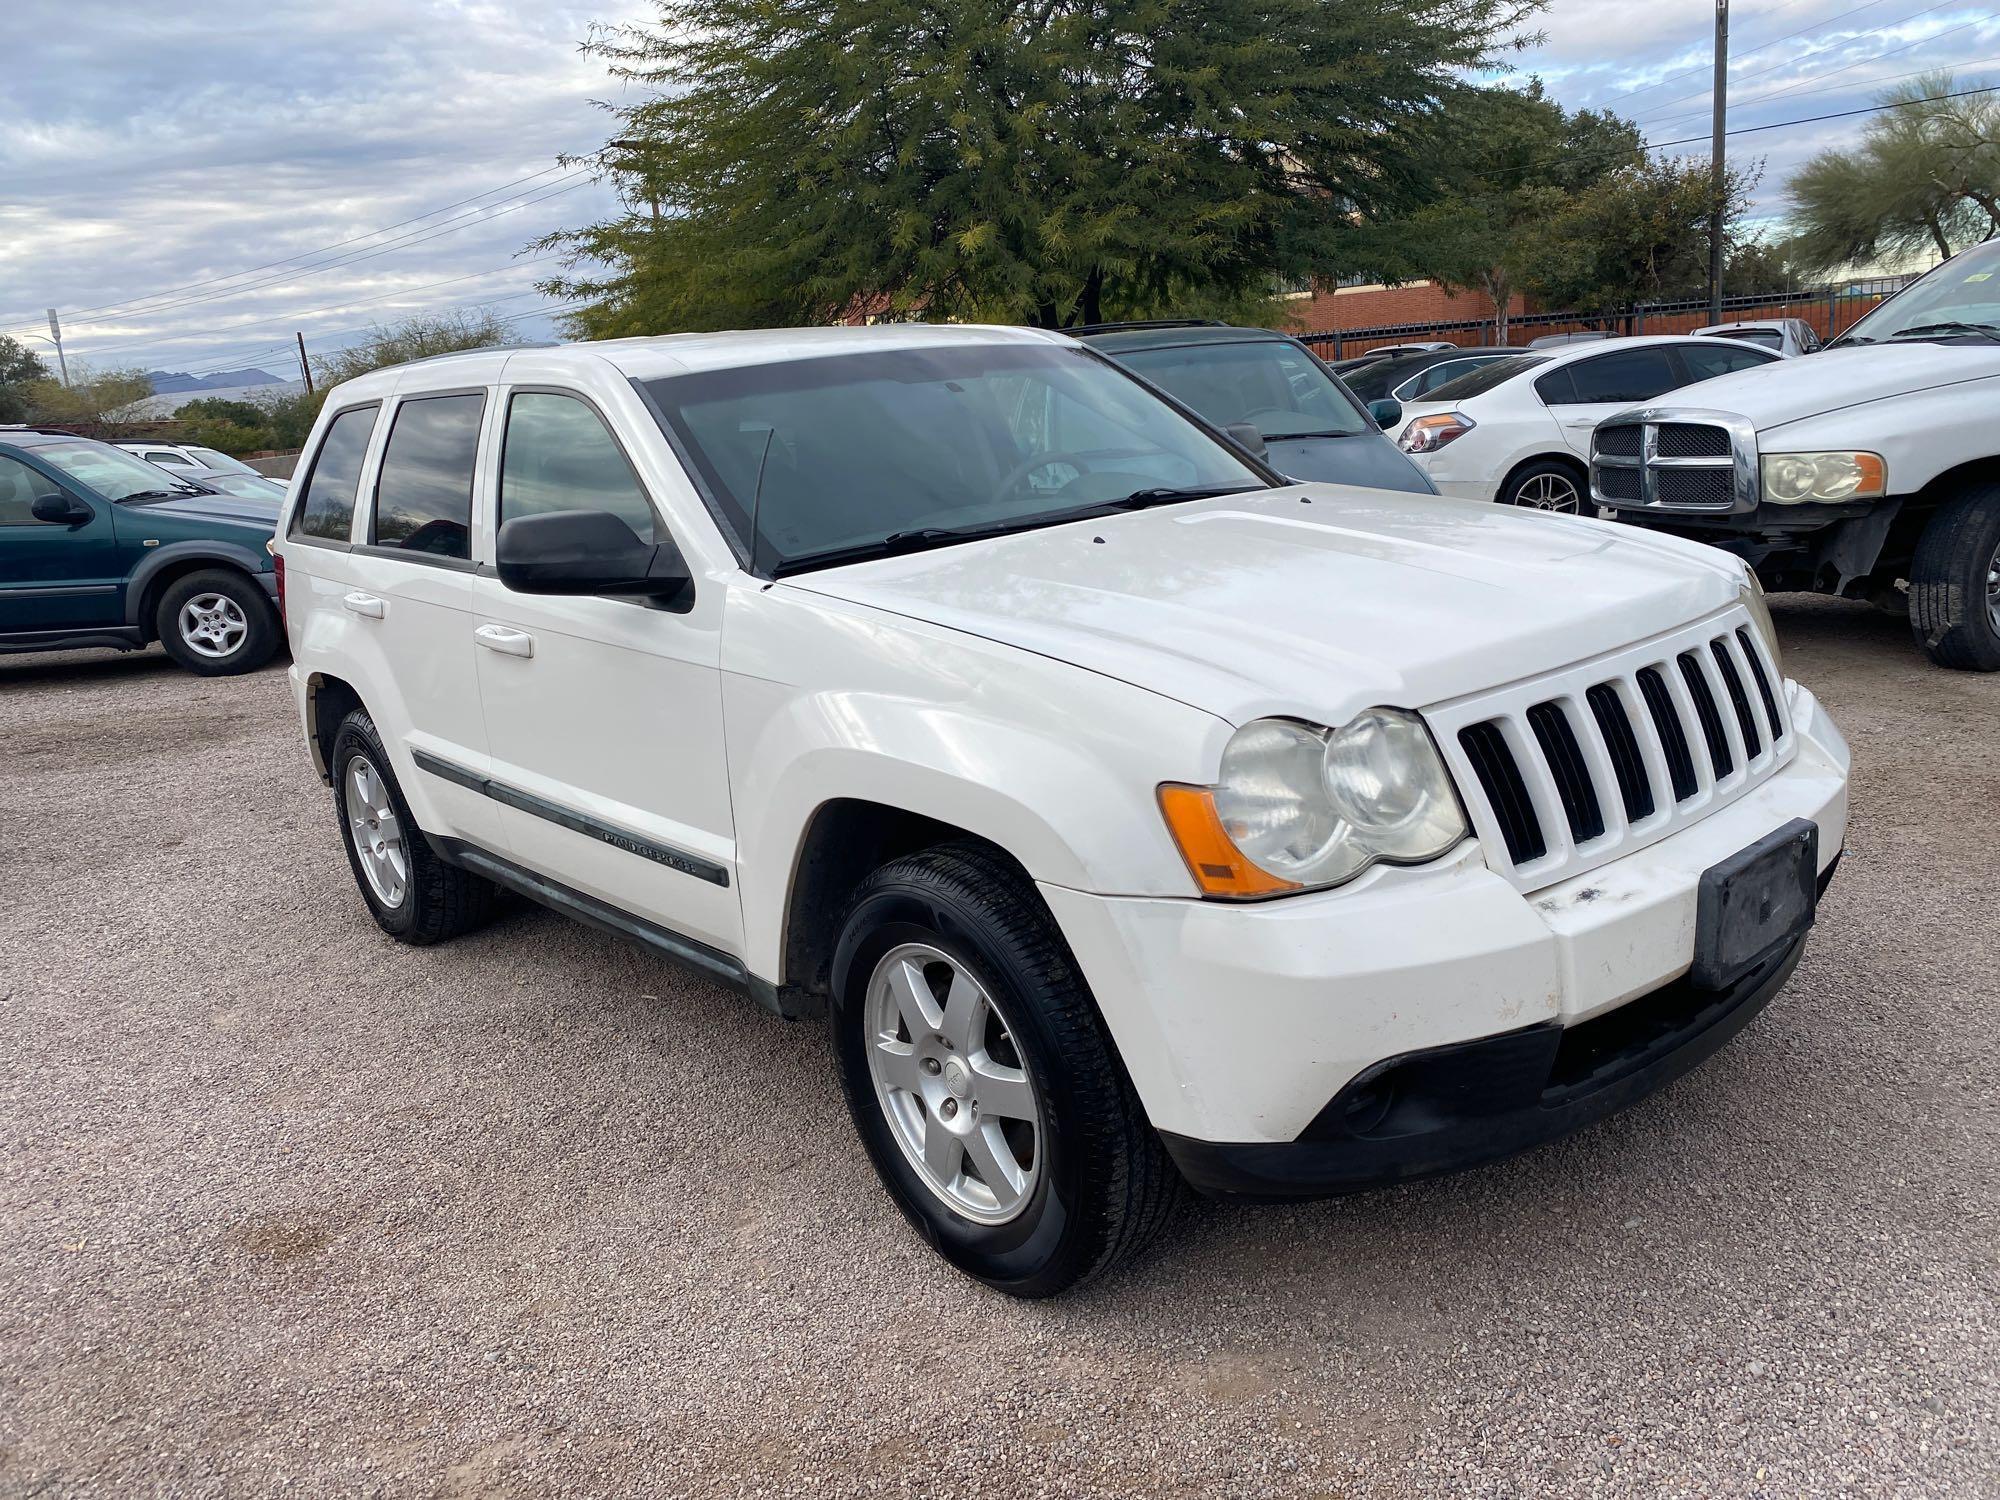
(1144, 323)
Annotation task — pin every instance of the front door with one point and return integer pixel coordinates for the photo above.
(54, 575)
(604, 716)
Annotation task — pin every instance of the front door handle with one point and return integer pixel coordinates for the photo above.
(500, 638)
(363, 604)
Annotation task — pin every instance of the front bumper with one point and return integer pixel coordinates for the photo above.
(1240, 1024)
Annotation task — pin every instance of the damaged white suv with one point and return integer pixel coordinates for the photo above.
(1137, 816)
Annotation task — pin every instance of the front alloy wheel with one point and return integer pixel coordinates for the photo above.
(950, 1083)
(981, 1079)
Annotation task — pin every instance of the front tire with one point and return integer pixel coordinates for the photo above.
(981, 1079)
(1955, 583)
(1549, 484)
(216, 623)
(413, 895)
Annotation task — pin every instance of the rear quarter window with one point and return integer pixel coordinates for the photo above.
(326, 502)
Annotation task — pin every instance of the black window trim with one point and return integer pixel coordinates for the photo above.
(662, 531)
(373, 548)
(292, 521)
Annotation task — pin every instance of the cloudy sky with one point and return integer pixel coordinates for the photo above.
(190, 184)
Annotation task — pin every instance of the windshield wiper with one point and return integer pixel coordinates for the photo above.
(1167, 494)
(156, 494)
(1931, 330)
(908, 541)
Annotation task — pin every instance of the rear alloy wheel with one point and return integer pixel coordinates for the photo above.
(216, 623)
(1955, 583)
(1550, 485)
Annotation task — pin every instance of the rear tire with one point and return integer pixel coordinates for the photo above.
(413, 895)
(217, 623)
(1955, 583)
(1086, 1181)
(1550, 484)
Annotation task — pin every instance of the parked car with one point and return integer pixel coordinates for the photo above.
(1394, 351)
(1410, 377)
(1558, 340)
(101, 548)
(1347, 366)
(1873, 463)
(1269, 392)
(1518, 430)
(1789, 336)
(1132, 814)
(188, 456)
(250, 486)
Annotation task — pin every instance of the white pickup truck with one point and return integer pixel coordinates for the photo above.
(1863, 470)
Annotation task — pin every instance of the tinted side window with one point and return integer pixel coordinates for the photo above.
(423, 494)
(1557, 388)
(326, 509)
(1629, 375)
(19, 485)
(1705, 362)
(560, 456)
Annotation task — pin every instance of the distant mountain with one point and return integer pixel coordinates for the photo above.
(170, 382)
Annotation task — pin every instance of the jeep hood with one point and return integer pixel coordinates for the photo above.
(1313, 600)
(1790, 390)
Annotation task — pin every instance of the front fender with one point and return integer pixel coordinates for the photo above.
(1060, 767)
(251, 560)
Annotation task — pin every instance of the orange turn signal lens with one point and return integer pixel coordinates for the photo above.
(1218, 866)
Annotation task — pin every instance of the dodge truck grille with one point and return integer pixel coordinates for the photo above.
(1567, 772)
(1659, 459)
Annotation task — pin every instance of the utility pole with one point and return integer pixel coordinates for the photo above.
(1717, 167)
(55, 337)
(304, 368)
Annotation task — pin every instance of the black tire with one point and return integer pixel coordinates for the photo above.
(249, 650)
(1104, 1186)
(1548, 473)
(1953, 596)
(438, 901)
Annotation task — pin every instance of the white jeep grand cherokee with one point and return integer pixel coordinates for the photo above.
(1136, 815)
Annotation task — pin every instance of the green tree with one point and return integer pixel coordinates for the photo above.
(414, 338)
(1048, 161)
(92, 401)
(1511, 162)
(20, 368)
(1925, 178)
(1639, 234)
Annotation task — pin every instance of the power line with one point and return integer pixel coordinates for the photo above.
(501, 207)
(308, 254)
(217, 359)
(1751, 52)
(1845, 114)
(1842, 88)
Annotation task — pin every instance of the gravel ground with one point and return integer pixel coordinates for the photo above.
(285, 1207)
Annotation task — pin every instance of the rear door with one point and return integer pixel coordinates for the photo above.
(1583, 392)
(1723, 357)
(54, 575)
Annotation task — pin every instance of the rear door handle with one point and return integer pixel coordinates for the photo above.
(500, 638)
(363, 604)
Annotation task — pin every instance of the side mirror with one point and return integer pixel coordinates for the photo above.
(60, 510)
(1387, 412)
(1246, 436)
(585, 552)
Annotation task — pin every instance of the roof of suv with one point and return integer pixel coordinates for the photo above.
(1114, 337)
(655, 355)
(38, 437)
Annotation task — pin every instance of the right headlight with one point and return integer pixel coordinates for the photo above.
(1796, 478)
(1299, 806)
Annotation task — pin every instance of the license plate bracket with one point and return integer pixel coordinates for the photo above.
(1755, 903)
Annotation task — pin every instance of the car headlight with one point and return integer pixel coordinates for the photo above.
(1428, 434)
(1298, 805)
(1796, 478)
(1760, 614)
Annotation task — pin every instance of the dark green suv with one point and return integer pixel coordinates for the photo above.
(99, 548)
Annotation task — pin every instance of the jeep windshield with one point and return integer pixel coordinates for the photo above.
(814, 462)
(1957, 302)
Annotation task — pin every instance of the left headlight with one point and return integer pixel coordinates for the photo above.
(1299, 806)
(1796, 478)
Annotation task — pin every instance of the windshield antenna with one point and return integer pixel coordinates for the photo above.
(757, 496)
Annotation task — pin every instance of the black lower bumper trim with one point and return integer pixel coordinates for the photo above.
(1462, 1105)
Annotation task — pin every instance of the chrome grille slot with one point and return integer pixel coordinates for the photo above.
(1562, 773)
(1710, 489)
(1692, 440)
(1622, 442)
